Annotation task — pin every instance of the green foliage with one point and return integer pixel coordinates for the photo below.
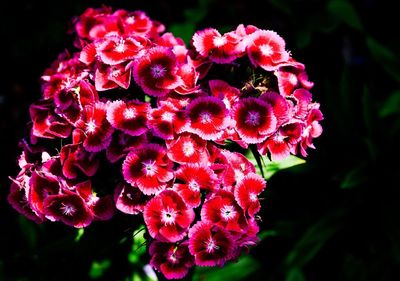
(345, 11)
(391, 105)
(98, 268)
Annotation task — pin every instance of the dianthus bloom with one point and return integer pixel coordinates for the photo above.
(134, 121)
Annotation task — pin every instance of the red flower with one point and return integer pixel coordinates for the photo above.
(266, 49)
(224, 211)
(129, 117)
(187, 148)
(210, 244)
(129, 199)
(247, 191)
(174, 261)
(208, 117)
(46, 123)
(167, 217)
(114, 50)
(121, 144)
(95, 127)
(148, 168)
(74, 158)
(290, 78)
(218, 48)
(192, 179)
(156, 71)
(222, 90)
(112, 76)
(69, 208)
(312, 130)
(280, 106)
(237, 166)
(255, 119)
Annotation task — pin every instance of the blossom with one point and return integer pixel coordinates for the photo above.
(255, 119)
(247, 191)
(167, 217)
(187, 148)
(156, 71)
(210, 244)
(266, 49)
(148, 168)
(129, 199)
(174, 261)
(112, 76)
(208, 117)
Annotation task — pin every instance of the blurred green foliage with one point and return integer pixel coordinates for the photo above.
(335, 217)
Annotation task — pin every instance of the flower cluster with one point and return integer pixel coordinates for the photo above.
(137, 122)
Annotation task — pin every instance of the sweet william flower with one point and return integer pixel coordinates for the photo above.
(129, 199)
(247, 191)
(167, 217)
(187, 148)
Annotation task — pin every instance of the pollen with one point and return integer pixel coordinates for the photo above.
(157, 71)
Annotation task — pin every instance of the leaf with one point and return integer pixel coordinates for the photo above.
(98, 268)
(183, 30)
(385, 57)
(355, 177)
(79, 234)
(138, 245)
(240, 270)
(345, 11)
(391, 106)
(314, 239)
(295, 274)
(271, 167)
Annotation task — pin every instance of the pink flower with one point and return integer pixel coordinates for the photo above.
(210, 244)
(312, 130)
(46, 123)
(280, 106)
(222, 90)
(156, 72)
(75, 159)
(208, 117)
(194, 178)
(237, 166)
(247, 191)
(187, 148)
(174, 261)
(283, 142)
(218, 48)
(290, 78)
(223, 210)
(129, 117)
(148, 168)
(266, 49)
(69, 208)
(114, 50)
(167, 217)
(121, 144)
(95, 127)
(255, 119)
(129, 199)
(112, 76)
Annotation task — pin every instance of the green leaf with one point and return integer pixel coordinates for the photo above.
(385, 57)
(240, 270)
(271, 167)
(391, 106)
(295, 274)
(138, 245)
(314, 239)
(345, 11)
(267, 233)
(355, 177)
(183, 30)
(98, 268)
(79, 234)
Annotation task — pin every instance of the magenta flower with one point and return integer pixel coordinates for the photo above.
(69, 208)
(210, 244)
(255, 120)
(187, 148)
(247, 191)
(121, 144)
(95, 127)
(208, 117)
(112, 76)
(148, 168)
(129, 117)
(222, 90)
(129, 199)
(266, 49)
(75, 159)
(194, 178)
(174, 261)
(167, 217)
(156, 72)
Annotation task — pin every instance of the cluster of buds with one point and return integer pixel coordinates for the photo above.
(136, 122)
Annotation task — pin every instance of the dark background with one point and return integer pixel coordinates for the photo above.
(335, 218)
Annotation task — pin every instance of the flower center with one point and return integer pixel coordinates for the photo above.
(157, 71)
(188, 148)
(67, 209)
(228, 212)
(91, 127)
(211, 246)
(150, 168)
(266, 50)
(193, 185)
(219, 41)
(253, 118)
(205, 117)
(129, 113)
(120, 48)
(168, 216)
(167, 116)
(253, 197)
